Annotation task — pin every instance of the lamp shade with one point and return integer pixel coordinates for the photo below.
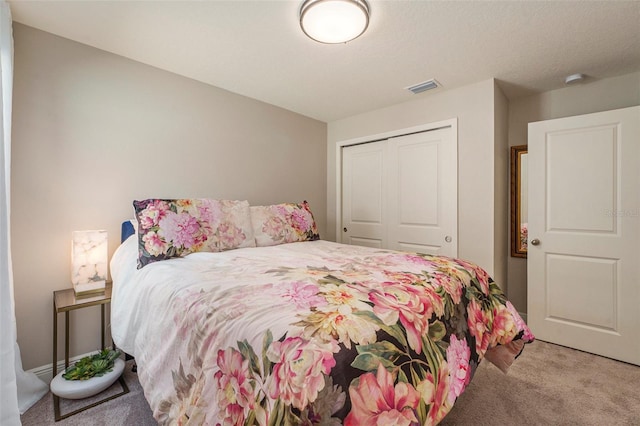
(334, 21)
(89, 258)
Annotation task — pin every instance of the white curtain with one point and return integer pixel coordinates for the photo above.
(18, 390)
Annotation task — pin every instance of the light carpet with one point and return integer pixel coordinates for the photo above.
(547, 385)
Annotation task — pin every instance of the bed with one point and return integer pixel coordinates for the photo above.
(303, 331)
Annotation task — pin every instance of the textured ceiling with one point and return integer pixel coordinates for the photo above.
(256, 48)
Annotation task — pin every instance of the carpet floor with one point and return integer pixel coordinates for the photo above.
(547, 385)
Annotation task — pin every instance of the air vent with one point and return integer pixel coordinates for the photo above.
(423, 87)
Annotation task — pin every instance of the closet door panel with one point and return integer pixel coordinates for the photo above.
(422, 183)
(364, 195)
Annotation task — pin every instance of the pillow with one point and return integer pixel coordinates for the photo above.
(174, 228)
(128, 228)
(283, 223)
(134, 223)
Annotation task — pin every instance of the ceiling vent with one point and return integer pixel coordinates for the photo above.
(423, 87)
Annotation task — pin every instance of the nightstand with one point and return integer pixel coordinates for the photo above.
(66, 301)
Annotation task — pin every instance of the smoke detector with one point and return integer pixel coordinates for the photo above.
(573, 79)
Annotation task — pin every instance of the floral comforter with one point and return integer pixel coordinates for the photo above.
(307, 333)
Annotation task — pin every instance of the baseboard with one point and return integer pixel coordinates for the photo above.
(45, 372)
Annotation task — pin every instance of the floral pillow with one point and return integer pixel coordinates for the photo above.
(283, 223)
(174, 228)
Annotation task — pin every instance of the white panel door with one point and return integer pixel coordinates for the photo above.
(584, 233)
(364, 195)
(422, 188)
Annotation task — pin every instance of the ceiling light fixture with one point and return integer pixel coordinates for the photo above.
(334, 21)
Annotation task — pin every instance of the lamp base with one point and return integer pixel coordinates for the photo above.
(89, 289)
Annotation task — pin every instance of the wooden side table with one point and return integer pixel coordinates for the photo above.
(66, 301)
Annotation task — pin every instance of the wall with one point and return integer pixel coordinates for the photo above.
(502, 212)
(473, 105)
(591, 96)
(92, 131)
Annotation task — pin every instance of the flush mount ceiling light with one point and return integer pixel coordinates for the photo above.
(334, 21)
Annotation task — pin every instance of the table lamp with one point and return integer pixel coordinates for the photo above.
(89, 262)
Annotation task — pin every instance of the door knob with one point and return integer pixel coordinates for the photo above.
(447, 239)
(344, 229)
(535, 242)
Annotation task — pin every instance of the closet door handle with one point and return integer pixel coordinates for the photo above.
(535, 242)
(344, 229)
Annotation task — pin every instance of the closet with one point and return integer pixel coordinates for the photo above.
(401, 193)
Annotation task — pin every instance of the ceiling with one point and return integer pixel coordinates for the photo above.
(256, 48)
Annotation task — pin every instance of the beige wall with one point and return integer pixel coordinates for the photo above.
(501, 217)
(474, 107)
(592, 96)
(92, 131)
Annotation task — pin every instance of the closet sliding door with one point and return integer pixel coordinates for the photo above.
(401, 193)
(364, 195)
